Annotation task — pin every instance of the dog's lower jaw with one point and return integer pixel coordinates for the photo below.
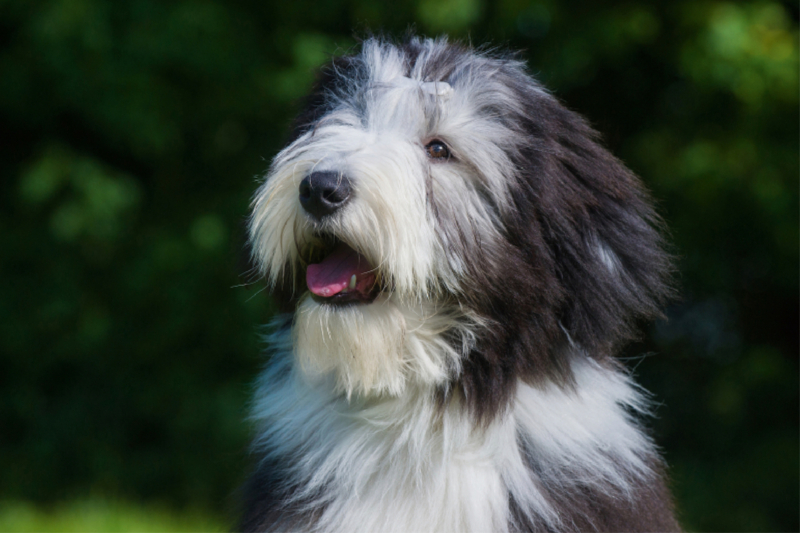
(557, 459)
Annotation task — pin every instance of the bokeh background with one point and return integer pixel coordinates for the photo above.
(134, 134)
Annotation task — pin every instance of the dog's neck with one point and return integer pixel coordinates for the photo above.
(369, 456)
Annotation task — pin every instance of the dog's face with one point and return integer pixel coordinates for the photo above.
(439, 215)
(410, 174)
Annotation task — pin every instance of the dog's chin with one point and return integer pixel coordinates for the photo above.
(348, 299)
(358, 344)
(349, 302)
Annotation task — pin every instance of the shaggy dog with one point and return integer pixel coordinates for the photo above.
(460, 259)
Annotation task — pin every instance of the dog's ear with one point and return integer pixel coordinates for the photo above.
(601, 231)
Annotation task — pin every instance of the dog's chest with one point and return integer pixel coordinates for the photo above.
(399, 465)
(460, 493)
(407, 463)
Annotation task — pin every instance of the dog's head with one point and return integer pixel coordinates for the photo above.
(440, 218)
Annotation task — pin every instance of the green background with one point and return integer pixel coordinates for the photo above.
(134, 134)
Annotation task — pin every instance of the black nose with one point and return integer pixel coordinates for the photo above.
(322, 193)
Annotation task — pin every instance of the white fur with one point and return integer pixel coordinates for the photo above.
(608, 257)
(378, 348)
(401, 464)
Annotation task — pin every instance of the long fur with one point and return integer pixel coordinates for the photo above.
(478, 391)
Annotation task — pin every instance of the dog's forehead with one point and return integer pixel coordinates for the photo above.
(418, 94)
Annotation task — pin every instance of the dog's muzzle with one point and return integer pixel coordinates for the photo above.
(335, 272)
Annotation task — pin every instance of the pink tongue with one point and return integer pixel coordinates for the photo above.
(333, 274)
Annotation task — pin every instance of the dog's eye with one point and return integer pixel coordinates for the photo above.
(437, 150)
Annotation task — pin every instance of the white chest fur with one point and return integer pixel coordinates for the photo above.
(405, 464)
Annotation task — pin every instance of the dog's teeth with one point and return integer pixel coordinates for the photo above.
(352, 282)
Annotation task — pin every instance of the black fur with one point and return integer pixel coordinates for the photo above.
(570, 195)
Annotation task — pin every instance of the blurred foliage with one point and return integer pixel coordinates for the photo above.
(103, 515)
(134, 134)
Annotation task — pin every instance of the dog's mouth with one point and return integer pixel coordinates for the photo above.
(337, 274)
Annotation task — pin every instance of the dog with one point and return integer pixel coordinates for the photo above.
(458, 259)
